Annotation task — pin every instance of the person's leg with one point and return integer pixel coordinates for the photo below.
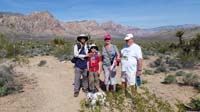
(96, 81)
(131, 79)
(77, 77)
(123, 80)
(133, 90)
(124, 86)
(91, 81)
(106, 76)
(85, 80)
(113, 79)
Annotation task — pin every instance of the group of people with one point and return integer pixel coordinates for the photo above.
(89, 63)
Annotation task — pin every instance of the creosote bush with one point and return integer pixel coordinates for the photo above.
(170, 79)
(191, 79)
(7, 81)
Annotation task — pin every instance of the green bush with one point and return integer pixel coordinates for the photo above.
(170, 79)
(148, 72)
(174, 63)
(161, 69)
(180, 73)
(145, 57)
(158, 62)
(173, 68)
(7, 81)
(191, 79)
(195, 104)
(3, 90)
(58, 41)
(148, 52)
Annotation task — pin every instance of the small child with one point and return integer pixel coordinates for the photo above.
(94, 68)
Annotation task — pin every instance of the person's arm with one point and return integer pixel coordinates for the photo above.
(118, 55)
(139, 61)
(100, 64)
(139, 70)
(76, 53)
(88, 67)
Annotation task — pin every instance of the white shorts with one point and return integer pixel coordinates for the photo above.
(130, 77)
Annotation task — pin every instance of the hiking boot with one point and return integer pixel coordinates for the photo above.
(76, 94)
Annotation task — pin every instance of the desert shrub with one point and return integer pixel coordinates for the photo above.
(148, 72)
(170, 79)
(188, 60)
(42, 63)
(148, 52)
(58, 41)
(8, 49)
(162, 49)
(161, 69)
(63, 51)
(158, 62)
(172, 62)
(180, 73)
(194, 104)
(3, 53)
(145, 57)
(191, 79)
(197, 87)
(7, 82)
(33, 48)
(173, 68)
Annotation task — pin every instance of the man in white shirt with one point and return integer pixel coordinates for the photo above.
(131, 60)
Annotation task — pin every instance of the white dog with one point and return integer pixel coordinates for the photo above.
(99, 97)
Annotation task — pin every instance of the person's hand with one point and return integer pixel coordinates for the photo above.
(99, 72)
(87, 55)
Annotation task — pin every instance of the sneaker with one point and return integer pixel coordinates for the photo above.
(76, 94)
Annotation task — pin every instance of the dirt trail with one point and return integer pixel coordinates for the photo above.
(47, 89)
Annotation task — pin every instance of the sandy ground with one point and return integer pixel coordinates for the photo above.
(49, 88)
(171, 92)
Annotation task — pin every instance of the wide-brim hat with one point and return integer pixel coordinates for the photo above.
(93, 46)
(82, 36)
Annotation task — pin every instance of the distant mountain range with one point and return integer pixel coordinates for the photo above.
(44, 25)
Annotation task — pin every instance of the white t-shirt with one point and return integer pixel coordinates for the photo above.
(129, 57)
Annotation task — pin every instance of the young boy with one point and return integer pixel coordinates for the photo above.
(94, 68)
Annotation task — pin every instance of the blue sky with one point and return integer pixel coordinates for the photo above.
(138, 13)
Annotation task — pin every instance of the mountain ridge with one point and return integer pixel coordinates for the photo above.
(44, 24)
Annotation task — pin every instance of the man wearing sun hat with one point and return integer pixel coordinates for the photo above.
(81, 53)
(131, 60)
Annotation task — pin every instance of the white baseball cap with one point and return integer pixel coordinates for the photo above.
(128, 36)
